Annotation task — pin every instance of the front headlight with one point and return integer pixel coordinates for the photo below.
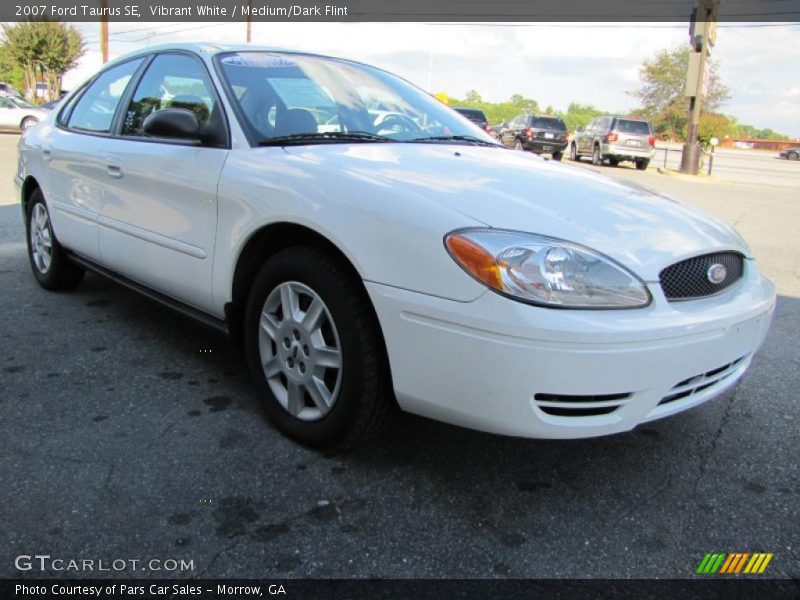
(546, 271)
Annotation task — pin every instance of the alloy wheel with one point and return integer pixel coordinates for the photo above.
(41, 238)
(300, 351)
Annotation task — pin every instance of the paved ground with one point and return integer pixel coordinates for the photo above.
(741, 166)
(130, 433)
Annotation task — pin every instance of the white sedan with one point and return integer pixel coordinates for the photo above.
(427, 268)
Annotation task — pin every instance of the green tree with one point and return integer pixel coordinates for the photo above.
(43, 51)
(473, 97)
(579, 115)
(663, 82)
(713, 125)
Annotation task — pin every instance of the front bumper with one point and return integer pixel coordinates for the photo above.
(505, 367)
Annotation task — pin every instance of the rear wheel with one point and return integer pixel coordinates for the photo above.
(315, 351)
(518, 146)
(793, 156)
(573, 153)
(51, 266)
(558, 155)
(597, 158)
(641, 163)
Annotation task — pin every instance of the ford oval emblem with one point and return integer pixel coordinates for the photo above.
(717, 273)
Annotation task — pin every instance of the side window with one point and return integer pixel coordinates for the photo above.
(171, 81)
(5, 103)
(95, 109)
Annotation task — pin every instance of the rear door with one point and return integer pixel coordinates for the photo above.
(585, 137)
(73, 152)
(158, 216)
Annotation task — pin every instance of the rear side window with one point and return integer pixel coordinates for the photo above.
(548, 123)
(94, 110)
(633, 127)
(171, 81)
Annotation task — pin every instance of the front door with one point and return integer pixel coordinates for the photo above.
(158, 216)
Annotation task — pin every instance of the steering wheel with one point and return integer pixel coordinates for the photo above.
(395, 123)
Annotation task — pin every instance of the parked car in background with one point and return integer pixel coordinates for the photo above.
(17, 114)
(50, 105)
(476, 116)
(540, 134)
(615, 139)
(790, 153)
(374, 266)
(6, 89)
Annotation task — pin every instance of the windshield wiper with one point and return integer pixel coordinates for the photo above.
(456, 138)
(299, 139)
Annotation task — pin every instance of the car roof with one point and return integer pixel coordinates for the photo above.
(209, 49)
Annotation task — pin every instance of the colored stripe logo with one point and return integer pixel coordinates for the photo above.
(736, 562)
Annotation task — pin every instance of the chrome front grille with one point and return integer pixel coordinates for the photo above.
(690, 278)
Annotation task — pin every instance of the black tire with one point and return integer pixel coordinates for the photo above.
(61, 273)
(558, 155)
(613, 162)
(641, 164)
(518, 146)
(365, 400)
(27, 123)
(597, 158)
(793, 156)
(573, 153)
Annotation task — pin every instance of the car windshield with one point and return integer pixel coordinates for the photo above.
(306, 99)
(634, 127)
(548, 123)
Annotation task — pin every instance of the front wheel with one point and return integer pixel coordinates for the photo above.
(51, 266)
(597, 158)
(793, 156)
(573, 153)
(28, 123)
(641, 164)
(518, 146)
(558, 155)
(315, 350)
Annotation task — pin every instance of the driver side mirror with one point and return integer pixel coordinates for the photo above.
(175, 123)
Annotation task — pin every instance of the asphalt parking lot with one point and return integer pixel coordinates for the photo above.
(130, 433)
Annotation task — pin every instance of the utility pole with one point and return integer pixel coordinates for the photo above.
(104, 30)
(702, 36)
(249, 20)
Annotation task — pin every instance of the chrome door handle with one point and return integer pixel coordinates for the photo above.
(113, 167)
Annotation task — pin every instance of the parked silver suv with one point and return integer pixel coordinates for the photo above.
(615, 139)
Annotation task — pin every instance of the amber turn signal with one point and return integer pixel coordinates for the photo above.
(475, 259)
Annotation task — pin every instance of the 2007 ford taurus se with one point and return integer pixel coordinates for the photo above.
(370, 248)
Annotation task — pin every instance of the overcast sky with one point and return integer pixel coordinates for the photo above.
(591, 63)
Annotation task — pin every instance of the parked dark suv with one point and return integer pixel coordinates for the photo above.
(477, 116)
(537, 133)
(615, 139)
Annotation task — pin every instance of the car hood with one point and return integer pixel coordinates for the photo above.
(508, 189)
